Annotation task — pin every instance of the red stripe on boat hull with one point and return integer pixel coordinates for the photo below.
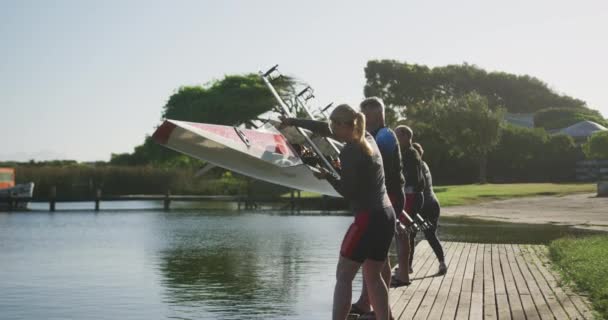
(162, 134)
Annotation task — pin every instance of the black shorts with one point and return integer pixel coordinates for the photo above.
(370, 236)
(398, 201)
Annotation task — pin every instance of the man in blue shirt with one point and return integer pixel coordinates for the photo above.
(373, 108)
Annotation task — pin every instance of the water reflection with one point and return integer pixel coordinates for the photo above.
(253, 265)
(191, 264)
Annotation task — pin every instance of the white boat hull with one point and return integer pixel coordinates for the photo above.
(20, 193)
(261, 155)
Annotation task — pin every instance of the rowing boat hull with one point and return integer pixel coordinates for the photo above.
(258, 154)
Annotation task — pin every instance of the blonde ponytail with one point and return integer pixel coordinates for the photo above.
(360, 133)
(347, 115)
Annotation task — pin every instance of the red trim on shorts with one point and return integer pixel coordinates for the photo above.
(393, 198)
(354, 234)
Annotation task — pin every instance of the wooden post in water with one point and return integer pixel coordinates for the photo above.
(167, 202)
(293, 200)
(299, 200)
(11, 201)
(97, 198)
(248, 202)
(52, 198)
(324, 203)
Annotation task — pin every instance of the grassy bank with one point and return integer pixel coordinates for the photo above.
(584, 261)
(476, 193)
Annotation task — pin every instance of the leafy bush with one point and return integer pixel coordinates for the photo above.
(558, 118)
(81, 181)
(596, 146)
(526, 155)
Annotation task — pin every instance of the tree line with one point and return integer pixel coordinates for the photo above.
(456, 111)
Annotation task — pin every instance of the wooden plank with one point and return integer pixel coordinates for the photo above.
(423, 252)
(533, 287)
(436, 284)
(401, 294)
(543, 285)
(420, 271)
(502, 301)
(476, 312)
(489, 293)
(466, 291)
(417, 278)
(487, 281)
(517, 310)
(444, 291)
(542, 261)
(581, 303)
(449, 312)
(420, 291)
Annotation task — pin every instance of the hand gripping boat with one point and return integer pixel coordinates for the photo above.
(287, 157)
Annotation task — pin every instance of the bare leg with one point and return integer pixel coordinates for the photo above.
(363, 302)
(386, 272)
(378, 291)
(345, 273)
(403, 255)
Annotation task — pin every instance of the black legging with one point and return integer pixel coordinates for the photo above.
(430, 211)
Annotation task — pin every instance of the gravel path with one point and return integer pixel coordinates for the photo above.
(580, 210)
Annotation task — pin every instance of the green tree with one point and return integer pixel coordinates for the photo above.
(230, 101)
(404, 84)
(470, 126)
(596, 146)
(530, 154)
(558, 118)
(515, 158)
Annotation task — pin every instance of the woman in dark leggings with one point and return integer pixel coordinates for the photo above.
(431, 211)
(361, 183)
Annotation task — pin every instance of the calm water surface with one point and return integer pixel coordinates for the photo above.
(187, 264)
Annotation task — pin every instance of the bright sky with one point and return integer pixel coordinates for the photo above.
(84, 79)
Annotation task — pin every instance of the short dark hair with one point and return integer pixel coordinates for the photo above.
(407, 130)
(372, 103)
(418, 148)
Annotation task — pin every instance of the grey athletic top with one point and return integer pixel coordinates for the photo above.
(428, 179)
(361, 180)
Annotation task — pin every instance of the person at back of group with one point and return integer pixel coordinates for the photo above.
(430, 211)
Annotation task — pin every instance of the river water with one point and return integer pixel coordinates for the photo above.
(188, 263)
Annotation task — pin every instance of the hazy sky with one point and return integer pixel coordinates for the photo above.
(84, 79)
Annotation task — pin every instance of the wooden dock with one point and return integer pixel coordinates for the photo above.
(487, 281)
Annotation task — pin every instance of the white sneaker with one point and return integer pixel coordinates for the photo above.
(443, 269)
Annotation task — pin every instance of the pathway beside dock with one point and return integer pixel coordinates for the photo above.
(487, 281)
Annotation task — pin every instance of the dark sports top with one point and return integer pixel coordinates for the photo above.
(428, 182)
(412, 170)
(361, 180)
